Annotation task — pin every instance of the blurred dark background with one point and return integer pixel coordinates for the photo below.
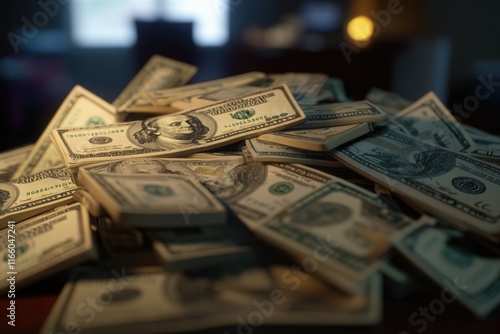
(48, 46)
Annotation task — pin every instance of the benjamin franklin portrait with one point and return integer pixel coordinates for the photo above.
(171, 131)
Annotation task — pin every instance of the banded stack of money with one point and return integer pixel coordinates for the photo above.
(203, 166)
(80, 108)
(10, 161)
(28, 196)
(345, 226)
(46, 244)
(201, 247)
(213, 96)
(158, 73)
(450, 185)
(319, 139)
(467, 274)
(335, 114)
(260, 151)
(160, 101)
(430, 121)
(256, 191)
(304, 86)
(154, 201)
(219, 296)
(192, 131)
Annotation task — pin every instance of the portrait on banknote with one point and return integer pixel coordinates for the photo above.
(148, 166)
(172, 131)
(238, 182)
(415, 164)
(7, 196)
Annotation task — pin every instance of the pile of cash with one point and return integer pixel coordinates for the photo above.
(257, 199)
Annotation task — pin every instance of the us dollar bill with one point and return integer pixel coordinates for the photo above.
(468, 272)
(201, 299)
(46, 244)
(320, 139)
(28, 196)
(198, 247)
(304, 86)
(430, 121)
(345, 226)
(160, 101)
(80, 108)
(200, 168)
(260, 151)
(192, 131)
(155, 201)
(390, 102)
(158, 73)
(257, 191)
(221, 94)
(488, 145)
(336, 114)
(11, 160)
(450, 185)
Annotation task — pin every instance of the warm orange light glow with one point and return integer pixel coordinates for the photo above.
(360, 28)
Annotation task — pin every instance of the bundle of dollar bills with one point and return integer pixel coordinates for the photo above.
(254, 199)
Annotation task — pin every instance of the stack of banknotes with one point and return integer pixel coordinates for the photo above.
(254, 199)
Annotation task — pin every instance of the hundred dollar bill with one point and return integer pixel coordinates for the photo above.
(28, 196)
(320, 139)
(154, 201)
(46, 244)
(152, 302)
(488, 145)
(346, 226)
(304, 86)
(390, 102)
(160, 101)
(202, 169)
(80, 108)
(450, 185)
(260, 151)
(158, 73)
(468, 272)
(258, 191)
(197, 247)
(189, 132)
(222, 94)
(430, 121)
(335, 114)
(11, 160)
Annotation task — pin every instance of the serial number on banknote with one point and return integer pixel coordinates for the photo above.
(246, 121)
(93, 134)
